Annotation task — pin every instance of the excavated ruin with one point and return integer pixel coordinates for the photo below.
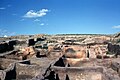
(41, 59)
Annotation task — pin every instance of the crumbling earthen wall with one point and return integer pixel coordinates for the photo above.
(114, 48)
(7, 46)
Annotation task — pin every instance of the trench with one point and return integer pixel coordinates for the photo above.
(10, 75)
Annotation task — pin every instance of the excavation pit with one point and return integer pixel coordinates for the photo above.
(83, 69)
(78, 73)
(25, 71)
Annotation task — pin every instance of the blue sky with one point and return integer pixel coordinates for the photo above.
(59, 17)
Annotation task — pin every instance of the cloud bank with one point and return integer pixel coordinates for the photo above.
(36, 14)
(116, 27)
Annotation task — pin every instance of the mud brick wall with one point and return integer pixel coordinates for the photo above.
(4, 63)
(114, 48)
(2, 75)
(4, 47)
(116, 66)
(40, 39)
(7, 69)
(11, 45)
(7, 46)
(30, 42)
(74, 73)
(24, 71)
(21, 42)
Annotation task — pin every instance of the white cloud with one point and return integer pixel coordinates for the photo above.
(42, 24)
(116, 27)
(2, 8)
(35, 14)
(36, 20)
